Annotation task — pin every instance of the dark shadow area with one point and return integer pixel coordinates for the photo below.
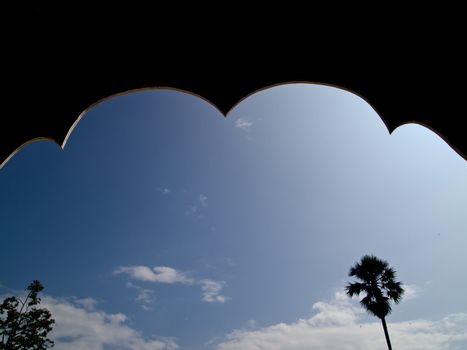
(406, 61)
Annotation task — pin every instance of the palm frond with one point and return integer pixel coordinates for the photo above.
(376, 279)
(354, 289)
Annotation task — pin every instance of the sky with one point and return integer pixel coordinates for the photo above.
(163, 224)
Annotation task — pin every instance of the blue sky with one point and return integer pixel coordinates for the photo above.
(164, 225)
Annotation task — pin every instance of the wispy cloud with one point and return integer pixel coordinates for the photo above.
(201, 203)
(161, 274)
(145, 296)
(243, 124)
(203, 200)
(230, 262)
(191, 210)
(337, 325)
(411, 291)
(80, 325)
(163, 190)
(211, 291)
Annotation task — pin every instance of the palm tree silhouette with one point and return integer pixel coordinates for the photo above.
(377, 281)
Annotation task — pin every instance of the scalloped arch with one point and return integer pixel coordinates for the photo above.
(225, 113)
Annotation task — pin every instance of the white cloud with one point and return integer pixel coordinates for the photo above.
(164, 274)
(336, 326)
(79, 328)
(203, 199)
(211, 291)
(87, 303)
(243, 124)
(161, 274)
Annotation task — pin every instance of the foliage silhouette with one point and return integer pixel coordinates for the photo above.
(23, 326)
(377, 281)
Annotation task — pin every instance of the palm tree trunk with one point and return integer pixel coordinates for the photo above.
(386, 334)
